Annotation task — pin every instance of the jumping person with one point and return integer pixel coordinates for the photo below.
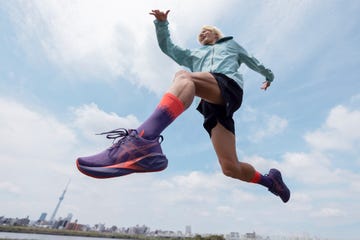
(214, 78)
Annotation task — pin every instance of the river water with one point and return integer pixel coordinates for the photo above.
(30, 236)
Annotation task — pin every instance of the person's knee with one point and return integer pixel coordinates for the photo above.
(229, 168)
(182, 74)
(239, 170)
(183, 80)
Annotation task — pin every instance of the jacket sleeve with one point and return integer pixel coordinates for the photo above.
(255, 65)
(179, 55)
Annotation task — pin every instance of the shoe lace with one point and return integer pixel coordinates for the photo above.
(119, 133)
(122, 133)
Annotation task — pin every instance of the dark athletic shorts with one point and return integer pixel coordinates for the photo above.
(214, 113)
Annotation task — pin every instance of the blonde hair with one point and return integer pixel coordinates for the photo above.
(213, 29)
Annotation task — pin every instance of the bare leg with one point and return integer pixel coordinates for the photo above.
(186, 85)
(224, 144)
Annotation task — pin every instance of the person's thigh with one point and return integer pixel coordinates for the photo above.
(206, 87)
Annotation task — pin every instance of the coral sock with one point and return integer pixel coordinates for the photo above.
(261, 179)
(169, 108)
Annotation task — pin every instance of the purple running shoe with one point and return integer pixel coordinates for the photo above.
(278, 187)
(128, 154)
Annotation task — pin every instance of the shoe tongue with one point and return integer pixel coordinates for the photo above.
(132, 132)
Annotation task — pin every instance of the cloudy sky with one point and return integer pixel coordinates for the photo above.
(70, 69)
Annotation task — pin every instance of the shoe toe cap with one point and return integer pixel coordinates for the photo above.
(85, 161)
(92, 161)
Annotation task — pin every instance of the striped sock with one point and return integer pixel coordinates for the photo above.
(165, 113)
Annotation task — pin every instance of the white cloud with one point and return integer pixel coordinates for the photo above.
(262, 125)
(29, 133)
(107, 40)
(329, 212)
(197, 180)
(242, 195)
(272, 125)
(9, 187)
(301, 202)
(340, 132)
(316, 166)
(226, 210)
(90, 120)
(262, 164)
(195, 188)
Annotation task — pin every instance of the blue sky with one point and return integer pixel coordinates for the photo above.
(70, 69)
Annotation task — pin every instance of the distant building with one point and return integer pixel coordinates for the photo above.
(60, 224)
(19, 221)
(42, 217)
(188, 231)
(139, 230)
(250, 236)
(233, 236)
(69, 217)
(74, 226)
(100, 227)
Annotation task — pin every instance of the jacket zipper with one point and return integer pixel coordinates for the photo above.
(212, 57)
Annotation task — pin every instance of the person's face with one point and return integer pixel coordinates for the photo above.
(207, 37)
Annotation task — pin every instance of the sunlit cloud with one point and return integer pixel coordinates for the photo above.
(340, 132)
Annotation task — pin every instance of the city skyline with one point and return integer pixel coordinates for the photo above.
(146, 230)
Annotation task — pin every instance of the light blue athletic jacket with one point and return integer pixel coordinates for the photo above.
(225, 56)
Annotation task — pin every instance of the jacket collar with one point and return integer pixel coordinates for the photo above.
(223, 39)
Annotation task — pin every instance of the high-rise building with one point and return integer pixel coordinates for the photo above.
(42, 217)
(188, 230)
(58, 204)
(69, 217)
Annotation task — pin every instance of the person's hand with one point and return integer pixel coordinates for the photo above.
(159, 15)
(265, 85)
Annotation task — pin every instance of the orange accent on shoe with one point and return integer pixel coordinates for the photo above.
(130, 164)
(173, 104)
(141, 133)
(256, 178)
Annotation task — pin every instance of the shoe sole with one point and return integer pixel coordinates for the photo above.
(278, 178)
(149, 163)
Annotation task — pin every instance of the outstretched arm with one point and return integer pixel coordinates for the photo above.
(255, 65)
(180, 55)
